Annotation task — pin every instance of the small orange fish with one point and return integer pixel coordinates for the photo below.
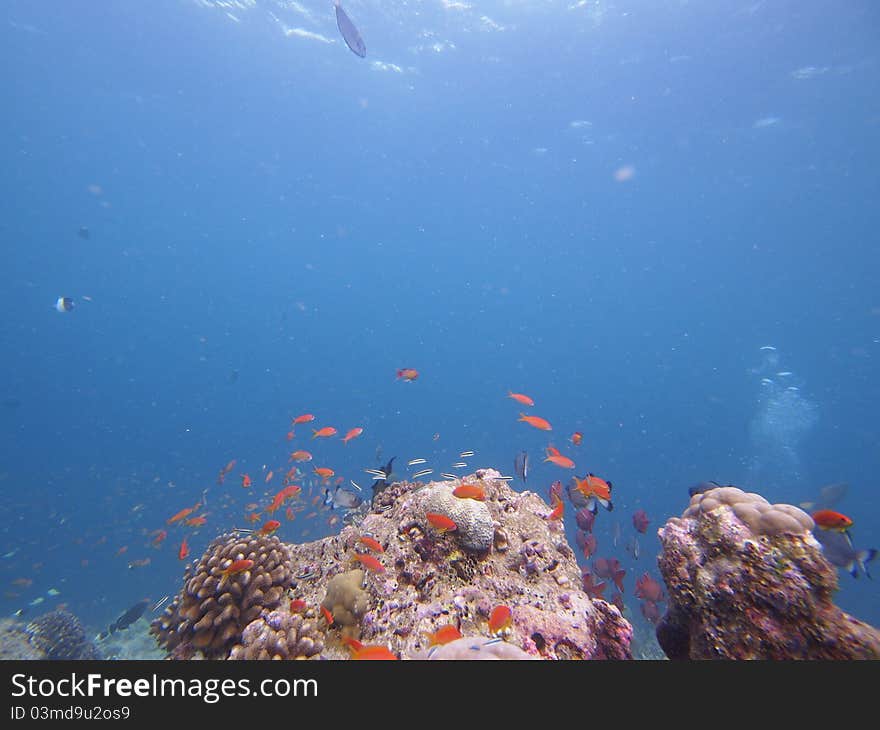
(593, 487)
(196, 521)
(407, 374)
(535, 421)
(304, 418)
(184, 550)
(246, 481)
(290, 435)
(297, 605)
(300, 456)
(560, 460)
(439, 522)
(237, 566)
(160, 535)
(269, 476)
(828, 519)
(371, 543)
(443, 635)
(253, 517)
(325, 432)
(520, 398)
(558, 511)
(374, 652)
(500, 619)
(469, 491)
(369, 562)
(577, 438)
(122, 550)
(185, 512)
(327, 615)
(289, 514)
(268, 528)
(229, 466)
(324, 472)
(352, 434)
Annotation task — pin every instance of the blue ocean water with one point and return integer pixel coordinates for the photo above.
(610, 206)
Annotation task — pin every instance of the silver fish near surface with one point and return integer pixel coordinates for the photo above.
(349, 33)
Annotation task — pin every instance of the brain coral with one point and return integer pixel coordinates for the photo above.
(281, 635)
(211, 611)
(761, 517)
(473, 521)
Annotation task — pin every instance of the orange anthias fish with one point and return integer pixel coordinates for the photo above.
(185, 512)
(324, 472)
(352, 434)
(407, 374)
(371, 543)
(370, 651)
(577, 438)
(269, 476)
(246, 481)
(253, 517)
(325, 432)
(300, 456)
(500, 619)
(554, 457)
(304, 418)
(196, 521)
(828, 519)
(443, 635)
(269, 527)
(237, 566)
(594, 489)
(558, 510)
(184, 550)
(469, 491)
(159, 536)
(439, 522)
(369, 562)
(535, 421)
(520, 398)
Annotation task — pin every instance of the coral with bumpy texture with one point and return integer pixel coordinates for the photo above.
(346, 598)
(15, 642)
(210, 613)
(474, 529)
(60, 635)
(761, 517)
(748, 580)
(281, 635)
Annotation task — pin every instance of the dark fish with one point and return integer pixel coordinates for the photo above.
(702, 487)
(828, 497)
(381, 484)
(632, 547)
(352, 38)
(839, 550)
(341, 499)
(521, 465)
(84, 233)
(127, 618)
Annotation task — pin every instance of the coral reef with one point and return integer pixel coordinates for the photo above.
(748, 580)
(15, 642)
(59, 635)
(281, 635)
(426, 578)
(481, 648)
(346, 598)
(209, 615)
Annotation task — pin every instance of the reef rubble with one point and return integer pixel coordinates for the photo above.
(747, 579)
(343, 592)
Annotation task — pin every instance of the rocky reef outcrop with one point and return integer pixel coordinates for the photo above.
(400, 574)
(747, 579)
